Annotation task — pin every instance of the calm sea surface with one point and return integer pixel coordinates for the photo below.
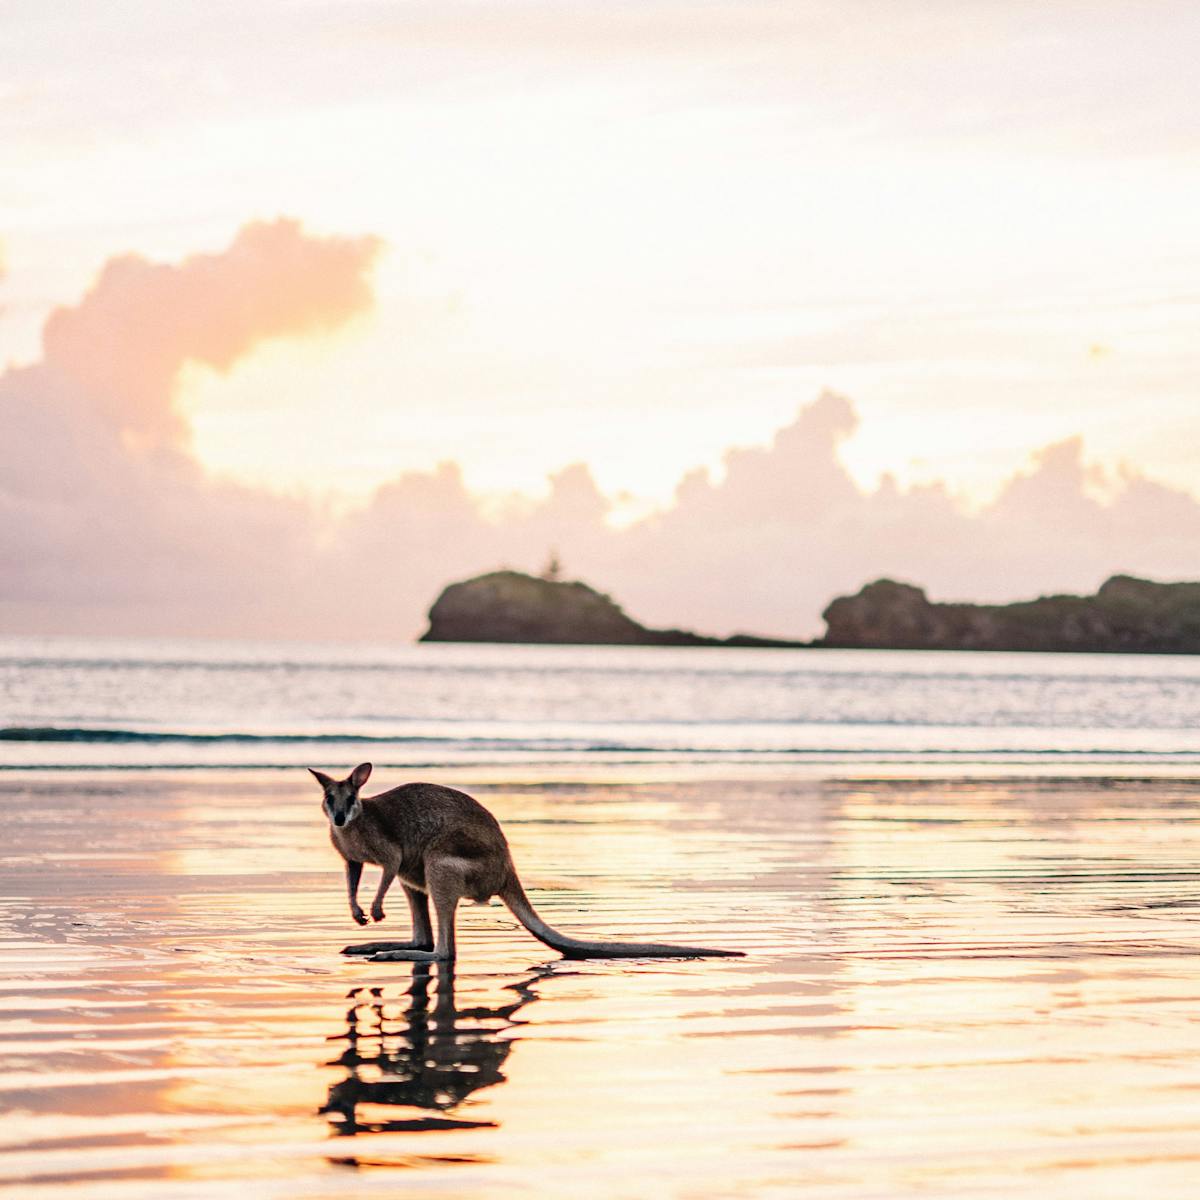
(967, 888)
(66, 703)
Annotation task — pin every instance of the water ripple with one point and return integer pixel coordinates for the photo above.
(957, 988)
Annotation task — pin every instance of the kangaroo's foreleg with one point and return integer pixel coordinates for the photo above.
(422, 938)
(353, 875)
(385, 882)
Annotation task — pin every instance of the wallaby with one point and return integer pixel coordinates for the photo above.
(446, 846)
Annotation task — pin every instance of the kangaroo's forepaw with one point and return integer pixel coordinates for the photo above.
(359, 916)
(377, 913)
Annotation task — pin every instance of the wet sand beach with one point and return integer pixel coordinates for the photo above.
(960, 987)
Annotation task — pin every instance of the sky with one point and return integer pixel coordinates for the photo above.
(309, 308)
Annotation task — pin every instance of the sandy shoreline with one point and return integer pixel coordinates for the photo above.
(959, 986)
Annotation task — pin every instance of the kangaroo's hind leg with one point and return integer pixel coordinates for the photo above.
(447, 884)
(418, 902)
(422, 938)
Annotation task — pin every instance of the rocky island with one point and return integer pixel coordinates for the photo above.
(509, 606)
(1127, 615)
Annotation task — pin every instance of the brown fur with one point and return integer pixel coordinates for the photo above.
(442, 845)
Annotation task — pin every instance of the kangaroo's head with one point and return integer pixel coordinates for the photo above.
(341, 803)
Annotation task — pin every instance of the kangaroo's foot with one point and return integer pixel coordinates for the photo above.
(365, 948)
(410, 956)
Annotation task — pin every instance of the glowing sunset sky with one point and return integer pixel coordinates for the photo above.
(633, 236)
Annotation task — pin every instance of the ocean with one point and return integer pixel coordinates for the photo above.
(965, 887)
(95, 704)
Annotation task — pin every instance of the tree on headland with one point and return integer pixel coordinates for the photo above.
(552, 571)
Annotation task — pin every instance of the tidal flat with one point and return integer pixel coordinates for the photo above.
(952, 987)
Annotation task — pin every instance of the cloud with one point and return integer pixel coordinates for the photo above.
(764, 547)
(120, 349)
(108, 524)
(786, 529)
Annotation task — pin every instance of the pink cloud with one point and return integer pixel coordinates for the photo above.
(122, 346)
(106, 522)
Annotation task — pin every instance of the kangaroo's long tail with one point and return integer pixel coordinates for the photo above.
(513, 894)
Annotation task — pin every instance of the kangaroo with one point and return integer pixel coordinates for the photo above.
(445, 846)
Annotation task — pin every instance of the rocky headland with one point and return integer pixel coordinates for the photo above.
(1126, 615)
(508, 606)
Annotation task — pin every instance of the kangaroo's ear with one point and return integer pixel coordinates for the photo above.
(320, 777)
(360, 774)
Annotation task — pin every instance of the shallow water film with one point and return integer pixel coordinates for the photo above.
(961, 987)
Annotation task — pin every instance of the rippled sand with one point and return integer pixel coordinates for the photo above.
(958, 988)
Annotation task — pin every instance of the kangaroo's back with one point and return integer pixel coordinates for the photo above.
(427, 810)
(420, 818)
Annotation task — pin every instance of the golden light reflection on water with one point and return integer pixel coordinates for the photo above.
(952, 988)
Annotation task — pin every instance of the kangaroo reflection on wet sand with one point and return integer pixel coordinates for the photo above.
(424, 1057)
